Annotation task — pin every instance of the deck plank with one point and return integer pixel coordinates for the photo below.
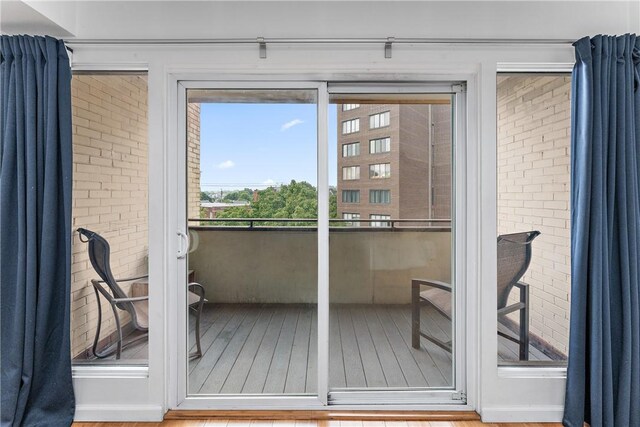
(337, 376)
(353, 367)
(277, 375)
(429, 366)
(368, 354)
(209, 334)
(312, 366)
(408, 364)
(388, 360)
(262, 362)
(297, 373)
(214, 382)
(210, 357)
(210, 314)
(244, 360)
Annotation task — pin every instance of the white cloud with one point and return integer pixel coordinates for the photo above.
(290, 124)
(227, 164)
(269, 182)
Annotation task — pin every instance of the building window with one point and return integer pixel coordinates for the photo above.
(350, 126)
(380, 196)
(351, 216)
(380, 223)
(350, 196)
(347, 107)
(380, 170)
(380, 145)
(350, 150)
(350, 173)
(379, 120)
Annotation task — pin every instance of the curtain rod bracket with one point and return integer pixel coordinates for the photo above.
(387, 47)
(263, 47)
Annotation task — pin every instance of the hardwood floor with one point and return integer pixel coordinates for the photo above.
(312, 423)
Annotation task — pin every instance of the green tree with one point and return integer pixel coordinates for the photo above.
(333, 202)
(245, 195)
(294, 200)
(205, 197)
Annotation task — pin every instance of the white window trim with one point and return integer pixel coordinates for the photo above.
(352, 125)
(359, 195)
(351, 145)
(375, 140)
(381, 166)
(380, 115)
(346, 170)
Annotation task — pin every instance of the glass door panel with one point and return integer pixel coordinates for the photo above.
(391, 321)
(252, 216)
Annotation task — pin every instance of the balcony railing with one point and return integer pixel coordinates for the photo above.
(311, 224)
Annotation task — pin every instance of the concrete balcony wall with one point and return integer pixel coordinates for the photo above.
(280, 266)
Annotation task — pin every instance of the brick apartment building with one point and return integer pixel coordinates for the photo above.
(394, 162)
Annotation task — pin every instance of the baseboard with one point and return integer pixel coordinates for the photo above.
(119, 413)
(541, 414)
(326, 415)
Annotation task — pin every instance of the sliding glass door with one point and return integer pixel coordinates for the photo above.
(317, 228)
(390, 243)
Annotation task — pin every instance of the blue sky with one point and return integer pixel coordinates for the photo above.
(254, 145)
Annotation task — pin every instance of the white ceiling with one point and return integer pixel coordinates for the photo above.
(231, 19)
(16, 17)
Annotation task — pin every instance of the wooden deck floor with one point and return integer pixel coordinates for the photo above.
(272, 348)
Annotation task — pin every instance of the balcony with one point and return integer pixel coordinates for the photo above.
(259, 328)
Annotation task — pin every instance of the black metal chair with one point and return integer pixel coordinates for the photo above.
(514, 257)
(137, 307)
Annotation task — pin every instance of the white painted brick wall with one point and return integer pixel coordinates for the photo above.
(533, 190)
(109, 188)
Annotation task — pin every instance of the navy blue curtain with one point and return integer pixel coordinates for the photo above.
(603, 378)
(35, 242)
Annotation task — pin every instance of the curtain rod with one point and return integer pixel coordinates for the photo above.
(262, 42)
(319, 41)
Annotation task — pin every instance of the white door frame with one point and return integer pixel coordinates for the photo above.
(454, 398)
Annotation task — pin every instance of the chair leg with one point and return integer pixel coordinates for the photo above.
(198, 315)
(110, 349)
(524, 324)
(94, 349)
(119, 329)
(415, 315)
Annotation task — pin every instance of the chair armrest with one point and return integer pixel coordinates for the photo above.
(432, 283)
(124, 280)
(132, 299)
(146, 276)
(510, 308)
(197, 287)
(521, 285)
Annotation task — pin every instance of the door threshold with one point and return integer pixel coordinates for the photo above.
(343, 415)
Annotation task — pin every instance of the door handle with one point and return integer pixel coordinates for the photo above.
(183, 244)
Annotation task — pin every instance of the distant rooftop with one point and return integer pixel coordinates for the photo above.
(223, 205)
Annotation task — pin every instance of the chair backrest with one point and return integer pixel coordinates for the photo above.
(99, 253)
(514, 257)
